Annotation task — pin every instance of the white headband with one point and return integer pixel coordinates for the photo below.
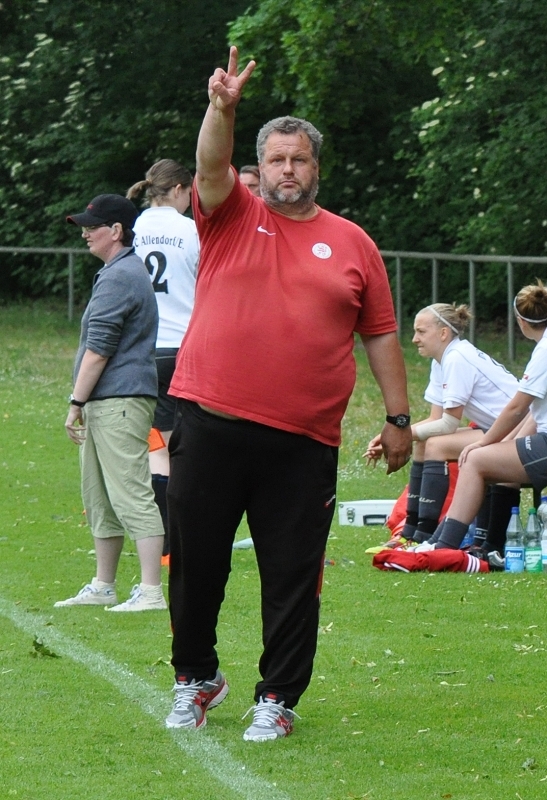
(517, 312)
(443, 320)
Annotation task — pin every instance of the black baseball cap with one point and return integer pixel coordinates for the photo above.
(107, 208)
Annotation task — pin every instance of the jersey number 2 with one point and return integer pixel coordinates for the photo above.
(156, 264)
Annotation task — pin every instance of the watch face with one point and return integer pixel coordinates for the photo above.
(400, 420)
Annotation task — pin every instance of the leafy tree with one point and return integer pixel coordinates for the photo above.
(483, 140)
(355, 69)
(433, 113)
(92, 93)
(484, 135)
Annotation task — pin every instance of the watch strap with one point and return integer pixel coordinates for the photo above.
(399, 420)
(73, 402)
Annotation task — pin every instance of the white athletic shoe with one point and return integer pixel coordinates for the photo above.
(271, 720)
(142, 598)
(193, 698)
(96, 593)
(424, 547)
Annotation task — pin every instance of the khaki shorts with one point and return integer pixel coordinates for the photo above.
(116, 483)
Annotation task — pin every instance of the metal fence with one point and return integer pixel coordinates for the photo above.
(398, 255)
(472, 262)
(70, 253)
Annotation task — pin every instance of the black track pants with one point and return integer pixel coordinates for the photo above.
(286, 484)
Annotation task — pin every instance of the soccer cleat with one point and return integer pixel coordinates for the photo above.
(405, 544)
(271, 720)
(495, 561)
(397, 542)
(193, 698)
(96, 593)
(478, 551)
(372, 551)
(143, 598)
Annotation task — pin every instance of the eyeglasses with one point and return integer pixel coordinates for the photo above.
(90, 228)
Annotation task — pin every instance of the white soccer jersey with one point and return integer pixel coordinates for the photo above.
(168, 244)
(534, 382)
(470, 378)
(434, 392)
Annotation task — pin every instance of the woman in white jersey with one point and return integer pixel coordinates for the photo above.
(168, 244)
(463, 381)
(493, 457)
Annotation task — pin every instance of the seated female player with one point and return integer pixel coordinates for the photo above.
(517, 460)
(463, 381)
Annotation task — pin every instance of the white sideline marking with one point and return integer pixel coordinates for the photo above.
(200, 746)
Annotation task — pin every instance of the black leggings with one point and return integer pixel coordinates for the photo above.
(286, 484)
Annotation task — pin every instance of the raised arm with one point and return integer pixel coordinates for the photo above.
(387, 365)
(214, 178)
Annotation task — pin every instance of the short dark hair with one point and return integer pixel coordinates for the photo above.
(250, 169)
(128, 236)
(288, 125)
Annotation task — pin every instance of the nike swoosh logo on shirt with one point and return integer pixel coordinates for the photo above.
(260, 229)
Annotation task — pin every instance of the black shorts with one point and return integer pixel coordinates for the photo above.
(164, 416)
(532, 451)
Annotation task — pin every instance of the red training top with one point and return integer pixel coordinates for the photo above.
(277, 302)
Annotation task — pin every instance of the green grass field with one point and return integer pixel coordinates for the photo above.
(425, 686)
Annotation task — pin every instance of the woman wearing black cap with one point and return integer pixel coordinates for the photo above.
(111, 408)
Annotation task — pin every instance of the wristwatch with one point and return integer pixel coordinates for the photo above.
(399, 420)
(73, 402)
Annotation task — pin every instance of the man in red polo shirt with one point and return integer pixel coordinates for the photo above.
(263, 379)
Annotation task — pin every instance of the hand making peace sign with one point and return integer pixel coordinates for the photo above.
(225, 87)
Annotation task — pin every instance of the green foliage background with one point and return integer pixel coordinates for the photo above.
(433, 112)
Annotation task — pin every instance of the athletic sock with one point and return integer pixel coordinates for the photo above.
(502, 500)
(159, 485)
(483, 516)
(413, 499)
(437, 533)
(435, 484)
(452, 534)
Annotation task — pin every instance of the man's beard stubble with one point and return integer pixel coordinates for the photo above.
(301, 200)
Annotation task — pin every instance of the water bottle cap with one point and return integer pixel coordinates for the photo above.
(532, 511)
(515, 510)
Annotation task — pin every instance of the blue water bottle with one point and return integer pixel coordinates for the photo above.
(514, 543)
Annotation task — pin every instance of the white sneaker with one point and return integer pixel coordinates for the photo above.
(143, 598)
(271, 720)
(193, 698)
(96, 593)
(424, 547)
